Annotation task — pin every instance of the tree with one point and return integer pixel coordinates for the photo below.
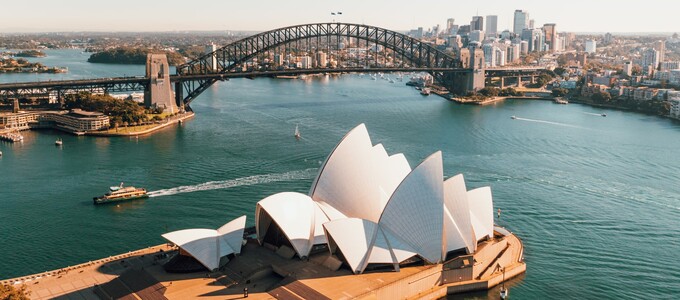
(559, 92)
(8, 292)
(489, 91)
(601, 97)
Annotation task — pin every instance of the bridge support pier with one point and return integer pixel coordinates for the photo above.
(159, 90)
(502, 82)
(519, 81)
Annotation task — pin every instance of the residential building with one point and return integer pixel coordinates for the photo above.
(628, 69)
(650, 57)
(591, 46)
(661, 47)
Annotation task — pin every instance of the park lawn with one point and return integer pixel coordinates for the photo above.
(132, 129)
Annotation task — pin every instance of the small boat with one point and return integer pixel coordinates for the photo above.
(58, 142)
(120, 193)
(0, 153)
(504, 293)
(297, 133)
(604, 115)
(425, 92)
(513, 117)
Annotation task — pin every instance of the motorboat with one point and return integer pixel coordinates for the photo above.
(58, 142)
(604, 115)
(513, 117)
(297, 134)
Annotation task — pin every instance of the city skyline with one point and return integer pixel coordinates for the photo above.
(126, 15)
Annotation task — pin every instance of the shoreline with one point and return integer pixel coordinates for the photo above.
(175, 120)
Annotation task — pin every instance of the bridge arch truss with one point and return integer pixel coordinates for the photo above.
(229, 58)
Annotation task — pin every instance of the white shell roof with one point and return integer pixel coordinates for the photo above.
(298, 217)
(458, 229)
(209, 245)
(481, 212)
(415, 212)
(357, 177)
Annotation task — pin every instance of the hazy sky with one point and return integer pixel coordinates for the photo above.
(175, 15)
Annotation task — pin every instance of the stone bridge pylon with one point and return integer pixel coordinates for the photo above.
(159, 91)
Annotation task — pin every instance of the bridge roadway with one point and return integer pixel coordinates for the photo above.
(140, 83)
(141, 80)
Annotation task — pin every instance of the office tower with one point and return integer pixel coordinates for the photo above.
(521, 21)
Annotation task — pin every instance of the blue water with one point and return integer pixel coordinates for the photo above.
(595, 200)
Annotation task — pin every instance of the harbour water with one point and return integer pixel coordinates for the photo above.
(595, 199)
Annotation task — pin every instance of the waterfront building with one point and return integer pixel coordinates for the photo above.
(521, 21)
(321, 59)
(74, 121)
(492, 26)
(591, 46)
(306, 62)
(675, 107)
(370, 209)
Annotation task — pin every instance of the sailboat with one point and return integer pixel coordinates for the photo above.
(297, 133)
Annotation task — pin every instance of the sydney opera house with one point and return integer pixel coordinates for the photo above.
(368, 212)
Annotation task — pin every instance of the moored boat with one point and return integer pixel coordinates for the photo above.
(120, 193)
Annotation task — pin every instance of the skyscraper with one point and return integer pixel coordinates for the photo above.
(449, 25)
(492, 25)
(551, 36)
(521, 21)
(477, 23)
(661, 47)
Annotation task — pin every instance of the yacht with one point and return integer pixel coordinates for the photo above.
(58, 142)
(513, 117)
(604, 115)
(425, 92)
(120, 193)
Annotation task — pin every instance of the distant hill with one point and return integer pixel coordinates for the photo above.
(30, 53)
(132, 56)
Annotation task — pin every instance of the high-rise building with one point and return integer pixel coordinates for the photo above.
(591, 46)
(492, 25)
(551, 36)
(321, 59)
(477, 23)
(628, 68)
(531, 24)
(212, 61)
(534, 38)
(449, 25)
(661, 47)
(476, 36)
(521, 21)
(650, 58)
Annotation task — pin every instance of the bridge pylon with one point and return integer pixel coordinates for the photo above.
(159, 91)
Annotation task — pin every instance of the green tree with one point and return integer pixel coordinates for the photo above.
(489, 91)
(601, 97)
(559, 92)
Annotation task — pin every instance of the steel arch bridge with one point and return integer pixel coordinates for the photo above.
(229, 58)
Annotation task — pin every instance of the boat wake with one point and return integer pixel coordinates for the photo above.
(592, 114)
(547, 122)
(243, 181)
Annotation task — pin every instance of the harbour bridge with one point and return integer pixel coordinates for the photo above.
(458, 74)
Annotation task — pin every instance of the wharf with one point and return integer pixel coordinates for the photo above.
(267, 275)
(12, 137)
